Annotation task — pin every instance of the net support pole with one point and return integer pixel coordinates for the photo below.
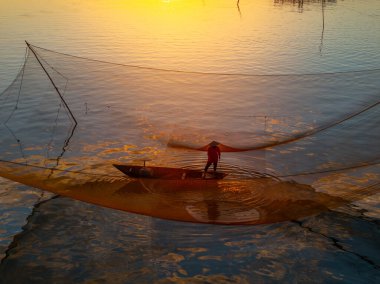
(51, 80)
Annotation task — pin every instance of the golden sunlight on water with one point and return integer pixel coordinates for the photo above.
(166, 23)
(300, 152)
(218, 36)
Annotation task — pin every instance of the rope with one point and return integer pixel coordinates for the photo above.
(57, 169)
(209, 73)
(313, 131)
(255, 174)
(363, 165)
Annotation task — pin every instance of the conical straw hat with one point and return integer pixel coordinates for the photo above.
(214, 143)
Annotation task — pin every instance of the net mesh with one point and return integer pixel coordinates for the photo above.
(66, 119)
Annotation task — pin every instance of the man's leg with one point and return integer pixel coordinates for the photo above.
(207, 166)
(215, 164)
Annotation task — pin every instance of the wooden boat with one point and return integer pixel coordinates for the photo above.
(166, 173)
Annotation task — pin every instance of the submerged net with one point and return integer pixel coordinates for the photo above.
(293, 145)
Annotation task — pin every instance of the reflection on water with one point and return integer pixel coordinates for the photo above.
(318, 175)
(191, 35)
(300, 4)
(124, 248)
(239, 201)
(16, 203)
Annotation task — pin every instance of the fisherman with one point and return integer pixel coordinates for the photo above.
(213, 155)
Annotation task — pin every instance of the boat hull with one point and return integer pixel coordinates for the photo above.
(166, 173)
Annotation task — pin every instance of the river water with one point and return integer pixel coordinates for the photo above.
(57, 239)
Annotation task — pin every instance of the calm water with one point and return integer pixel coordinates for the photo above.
(256, 37)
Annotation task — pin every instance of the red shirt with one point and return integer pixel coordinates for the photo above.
(213, 154)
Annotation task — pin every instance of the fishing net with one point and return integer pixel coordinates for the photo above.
(292, 145)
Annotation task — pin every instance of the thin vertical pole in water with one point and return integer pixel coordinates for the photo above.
(323, 26)
(51, 80)
(238, 7)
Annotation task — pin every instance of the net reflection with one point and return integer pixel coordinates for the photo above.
(243, 201)
(131, 248)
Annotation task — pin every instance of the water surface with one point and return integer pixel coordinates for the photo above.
(256, 37)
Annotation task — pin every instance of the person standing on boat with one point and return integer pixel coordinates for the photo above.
(213, 155)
